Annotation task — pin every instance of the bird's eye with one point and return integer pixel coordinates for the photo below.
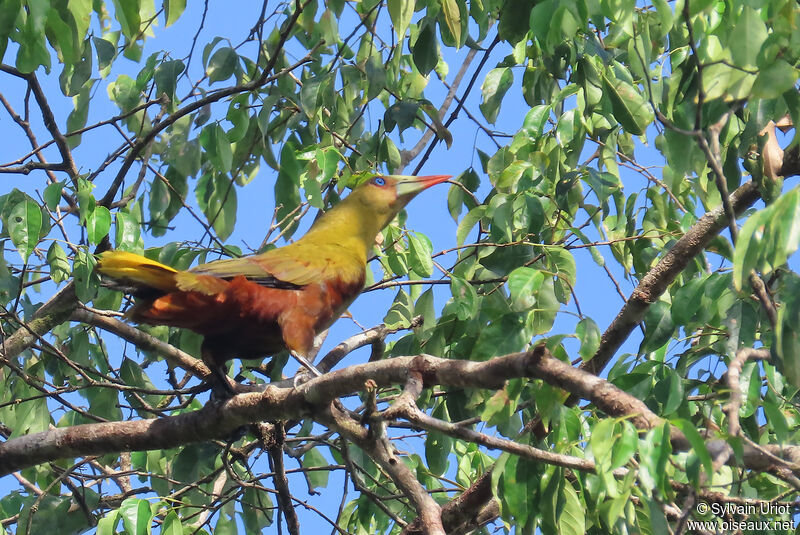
(379, 181)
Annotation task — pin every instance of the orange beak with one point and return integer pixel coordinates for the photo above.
(408, 186)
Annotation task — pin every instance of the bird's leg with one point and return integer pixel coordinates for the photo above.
(222, 386)
(298, 379)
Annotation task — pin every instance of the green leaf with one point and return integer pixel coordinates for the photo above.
(402, 114)
(127, 234)
(106, 52)
(438, 447)
(687, 300)
(787, 335)
(494, 88)
(668, 391)
(127, 13)
(776, 419)
(536, 119)
(515, 20)
(563, 263)
(225, 524)
(257, 510)
(694, 437)
(572, 516)
(310, 94)
(108, 524)
(147, 71)
(172, 11)
(767, 238)
(24, 223)
(287, 188)
(658, 327)
(58, 262)
(9, 11)
(401, 11)
(627, 444)
(376, 77)
(654, 452)
(498, 408)
(216, 196)
(166, 77)
(589, 334)
(78, 116)
(502, 335)
(314, 459)
(468, 222)
(98, 223)
(544, 314)
(86, 280)
(425, 51)
(136, 516)
(31, 38)
(421, 250)
(630, 107)
(602, 441)
(749, 36)
(52, 195)
(775, 79)
(218, 148)
(401, 312)
(465, 296)
(523, 285)
(452, 18)
(171, 525)
(124, 92)
(73, 77)
(222, 64)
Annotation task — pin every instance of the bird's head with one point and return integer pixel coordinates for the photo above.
(386, 195)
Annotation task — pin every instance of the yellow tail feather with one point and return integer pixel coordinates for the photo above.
(136, 270)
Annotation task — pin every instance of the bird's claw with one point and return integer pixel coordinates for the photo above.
(300, 378)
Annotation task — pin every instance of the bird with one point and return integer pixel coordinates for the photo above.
(257, 305)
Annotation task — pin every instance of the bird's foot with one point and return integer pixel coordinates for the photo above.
(300, 378)
(222, 386)
(304, 375)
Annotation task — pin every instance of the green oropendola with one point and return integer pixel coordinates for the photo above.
(257, 305)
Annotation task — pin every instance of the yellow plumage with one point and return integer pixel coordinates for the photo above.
(136, 270)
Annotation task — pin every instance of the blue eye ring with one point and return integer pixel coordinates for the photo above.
(379, 181)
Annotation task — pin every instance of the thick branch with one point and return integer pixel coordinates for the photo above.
(275, 403)
(280, 403)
